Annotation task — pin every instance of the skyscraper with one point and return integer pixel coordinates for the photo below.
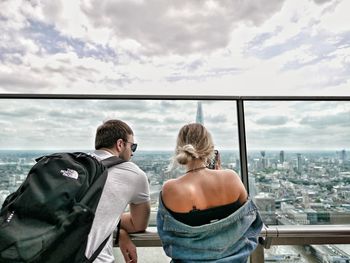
(263, 160)
(199, 116)
(299, 163)
(343, 156)
(281, 157)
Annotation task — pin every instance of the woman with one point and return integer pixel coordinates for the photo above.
(205, 214)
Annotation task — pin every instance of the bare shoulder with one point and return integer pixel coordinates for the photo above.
(237, 184)
(169, 186)
(230, 174)
(170, 189)
(174, 195)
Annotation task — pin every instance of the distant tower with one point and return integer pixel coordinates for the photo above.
(199, 116)
(343, 156)
(263, 160)
(281, 157)
(299, 162)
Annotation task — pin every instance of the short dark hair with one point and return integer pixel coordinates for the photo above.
(109, 132)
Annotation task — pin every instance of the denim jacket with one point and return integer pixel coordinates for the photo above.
(231, 239)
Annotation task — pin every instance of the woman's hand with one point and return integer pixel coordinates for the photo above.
(127, 247)
(217, 160)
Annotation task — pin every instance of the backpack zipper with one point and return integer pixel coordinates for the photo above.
(10, 216)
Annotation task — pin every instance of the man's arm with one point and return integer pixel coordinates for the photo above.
(134, 221)
(137, 219)
(127, 247)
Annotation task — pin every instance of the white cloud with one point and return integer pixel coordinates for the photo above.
(182, 47)
(335, 17)
(181, 27)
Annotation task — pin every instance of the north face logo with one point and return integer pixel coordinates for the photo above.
(70, 173)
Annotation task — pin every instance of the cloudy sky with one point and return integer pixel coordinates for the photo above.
(71, 124)
(226, 47)
(252, 47)
(270, 125)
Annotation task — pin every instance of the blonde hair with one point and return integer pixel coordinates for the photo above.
(193, 142)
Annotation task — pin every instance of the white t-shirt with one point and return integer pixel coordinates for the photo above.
(126, 183)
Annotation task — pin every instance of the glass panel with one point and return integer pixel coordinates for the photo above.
(299, 168)
(33, 127)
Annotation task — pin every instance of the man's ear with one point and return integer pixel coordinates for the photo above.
(119, 144)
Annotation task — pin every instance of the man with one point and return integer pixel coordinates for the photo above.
(126, 184)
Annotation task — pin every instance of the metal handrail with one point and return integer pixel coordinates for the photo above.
(168, 97)
(273, 235)
(305, 234)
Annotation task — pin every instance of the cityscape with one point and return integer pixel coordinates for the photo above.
(306, 187)
(289, 187)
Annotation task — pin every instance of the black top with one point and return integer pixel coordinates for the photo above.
(198, 217)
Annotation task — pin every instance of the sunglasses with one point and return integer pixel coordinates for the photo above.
(133, 146)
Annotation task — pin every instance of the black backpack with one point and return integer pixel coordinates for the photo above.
(49, 217)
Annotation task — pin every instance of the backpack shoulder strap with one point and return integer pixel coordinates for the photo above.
(98, 251)
(108, 162)
(111, 161)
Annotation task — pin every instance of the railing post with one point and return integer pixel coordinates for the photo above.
(242, 143)
(258, 255)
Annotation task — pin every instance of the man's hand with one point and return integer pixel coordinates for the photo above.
(127, 247)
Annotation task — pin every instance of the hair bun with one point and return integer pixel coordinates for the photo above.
(188, 148)
(186, 153)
